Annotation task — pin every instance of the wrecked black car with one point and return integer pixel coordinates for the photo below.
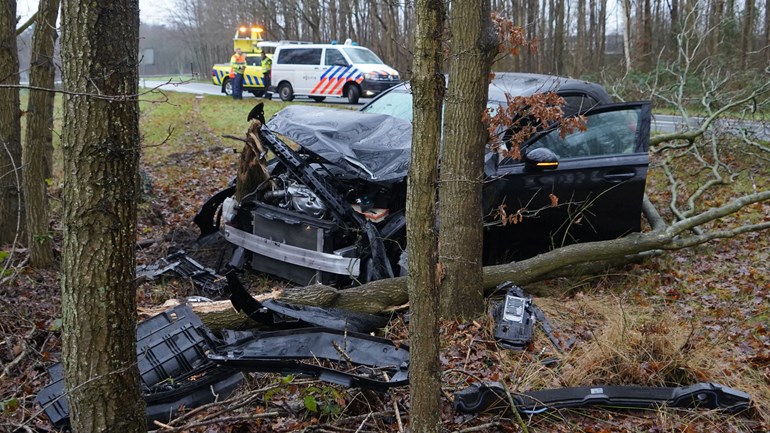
(332, 206)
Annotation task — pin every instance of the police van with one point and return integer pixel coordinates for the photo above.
(321, 70)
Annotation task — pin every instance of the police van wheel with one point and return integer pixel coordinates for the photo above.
(353, 93)
(227, 87)
(318, 98)
(286, 92)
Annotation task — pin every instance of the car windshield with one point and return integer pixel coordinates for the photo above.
(362, 56)
(398, 103)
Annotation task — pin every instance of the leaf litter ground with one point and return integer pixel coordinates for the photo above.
(683, 317)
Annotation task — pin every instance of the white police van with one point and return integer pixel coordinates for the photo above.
(321, 70)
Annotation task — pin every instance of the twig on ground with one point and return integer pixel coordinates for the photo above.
(21, 355)
(228, 420)
(481, 427)
(368, 415)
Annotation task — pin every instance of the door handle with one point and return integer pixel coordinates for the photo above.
(619, 176)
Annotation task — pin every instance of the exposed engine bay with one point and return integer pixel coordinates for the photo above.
(320, 213)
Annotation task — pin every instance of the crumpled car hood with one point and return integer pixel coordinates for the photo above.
(376, 147)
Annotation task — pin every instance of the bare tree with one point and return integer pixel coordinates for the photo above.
(474, 45)
(422, 281)
(37, 155)
(11, 203)
(100, 143)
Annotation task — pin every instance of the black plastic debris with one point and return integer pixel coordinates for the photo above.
(493, 398)
(181, 265)
(370, 362)
(282, 315)
(175, 371)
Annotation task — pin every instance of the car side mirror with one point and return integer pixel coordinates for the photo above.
(541, 159)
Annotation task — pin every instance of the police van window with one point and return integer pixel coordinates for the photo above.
(335, 58)
(362, 56)
(299, 56)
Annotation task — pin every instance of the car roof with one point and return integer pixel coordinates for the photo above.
(526, 84)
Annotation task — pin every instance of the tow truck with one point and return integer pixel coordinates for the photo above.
(249, 40)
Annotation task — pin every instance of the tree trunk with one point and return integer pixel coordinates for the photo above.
(747, 33)
(582, 49)
(100, 143)
(11, 204)
(643, 54)
(38, 147)
(428, 90)
(766, 46)
(474, 44)
(627, 34)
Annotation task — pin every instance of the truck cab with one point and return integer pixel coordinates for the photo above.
(248, 39)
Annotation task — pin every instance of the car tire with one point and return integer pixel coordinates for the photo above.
(286, 92)
(353, 93)
(227, 87)
(318, 98)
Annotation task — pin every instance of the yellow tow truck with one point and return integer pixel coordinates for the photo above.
(249, 40)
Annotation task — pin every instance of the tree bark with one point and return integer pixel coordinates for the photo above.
(100, 143)
(11, 204)
(474, 44)
(428, 89)
(747, 33)
(627, 34)
(38, 146)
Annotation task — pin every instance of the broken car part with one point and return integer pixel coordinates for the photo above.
(171, 355)
(282, 315)
(515, 319)
(380, 363)
(493, 398)
(184, 266)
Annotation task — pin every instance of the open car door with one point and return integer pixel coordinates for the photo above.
(585, 186)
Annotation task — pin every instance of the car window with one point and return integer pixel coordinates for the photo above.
(608, 133)
(578, 103)
(335, 57)
(299, 56)
(362, 56)
(396, 103)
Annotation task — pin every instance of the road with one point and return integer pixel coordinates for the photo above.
(211, 89)
(667, 123)
(662, 123)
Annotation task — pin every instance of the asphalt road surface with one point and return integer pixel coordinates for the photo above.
(211, 89)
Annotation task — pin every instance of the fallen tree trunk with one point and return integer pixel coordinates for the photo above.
(384, 296)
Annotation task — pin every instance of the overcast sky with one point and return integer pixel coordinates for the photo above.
(150, 11)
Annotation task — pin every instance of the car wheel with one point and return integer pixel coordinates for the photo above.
(353, 93)
(286, 92)
(258, 93)
(318, 98)
(227, 87)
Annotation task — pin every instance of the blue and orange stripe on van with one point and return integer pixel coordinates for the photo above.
(332, 80)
